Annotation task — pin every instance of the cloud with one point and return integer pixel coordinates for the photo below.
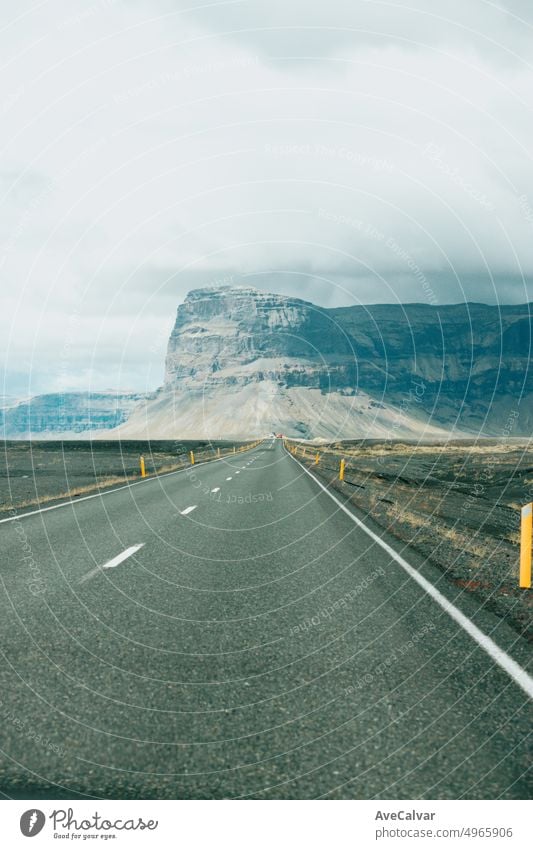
(281, 29)
(344, 152)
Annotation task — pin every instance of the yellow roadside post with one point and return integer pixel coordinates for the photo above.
(317, 458)
(341, 470)
(143, 467)
(525, 546)
(218, 452)
(234, 449)
(192, 458)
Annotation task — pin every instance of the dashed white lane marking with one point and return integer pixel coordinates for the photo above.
(216, 489)
(236, 473)
(188, 510)
(228, 479)
(121, 557)
(114, 562)
(498, 655)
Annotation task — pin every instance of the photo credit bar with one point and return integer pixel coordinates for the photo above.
(240, 824)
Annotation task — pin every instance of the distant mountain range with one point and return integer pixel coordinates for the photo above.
(242, 363)
(67, 415)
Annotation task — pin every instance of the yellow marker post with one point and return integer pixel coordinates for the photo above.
(143, 467)
(192, 458)
(341, 470)
(234, 449)
(317, 458)
(526, 546)
(218, 452)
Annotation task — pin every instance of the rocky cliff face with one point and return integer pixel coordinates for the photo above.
(231, 336)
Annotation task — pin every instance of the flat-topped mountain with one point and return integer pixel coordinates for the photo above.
(245, 362)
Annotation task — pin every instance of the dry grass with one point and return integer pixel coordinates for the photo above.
(513, 537)
(458, 540)
(382, 450)
(71, 493)
(412, 519)
(464, 542)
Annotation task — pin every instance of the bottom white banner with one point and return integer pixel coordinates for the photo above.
(236, 824)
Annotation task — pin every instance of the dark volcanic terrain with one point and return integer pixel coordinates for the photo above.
(34, 473)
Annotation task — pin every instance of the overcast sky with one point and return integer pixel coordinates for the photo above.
(348, 151)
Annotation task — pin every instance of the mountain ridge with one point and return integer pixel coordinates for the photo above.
(242, 362)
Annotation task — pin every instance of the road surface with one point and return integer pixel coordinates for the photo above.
(230, 632)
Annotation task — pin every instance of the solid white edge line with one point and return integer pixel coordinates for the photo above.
(188, 510)
(498, 655)
(73, 501)
(114, 562)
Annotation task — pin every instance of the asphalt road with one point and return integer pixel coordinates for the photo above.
(260, 645)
